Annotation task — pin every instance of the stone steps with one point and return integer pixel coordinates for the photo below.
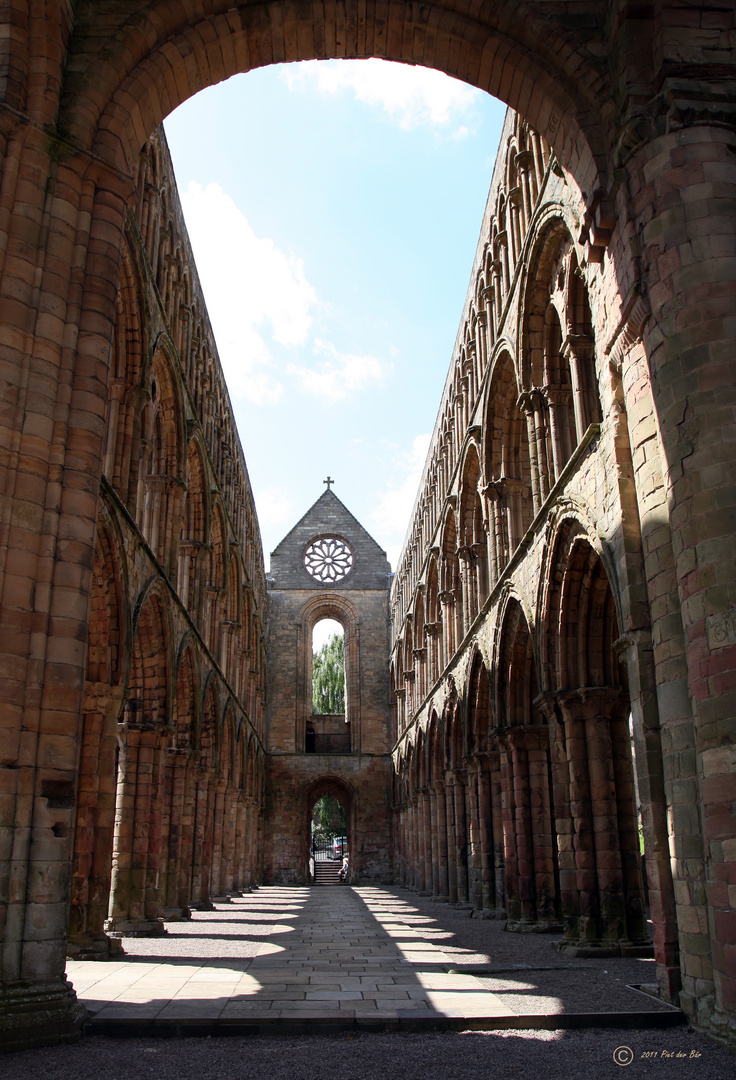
(327, 873)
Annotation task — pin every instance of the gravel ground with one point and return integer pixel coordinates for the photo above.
(239, 929)
(503, 1055)
(574, 985)
(236, 929)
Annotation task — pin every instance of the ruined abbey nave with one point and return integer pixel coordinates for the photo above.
(539, 703)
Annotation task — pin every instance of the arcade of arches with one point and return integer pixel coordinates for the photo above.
(560, 669)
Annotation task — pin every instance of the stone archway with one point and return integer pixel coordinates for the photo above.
(336, 788)
(84, 90)
(158, 54)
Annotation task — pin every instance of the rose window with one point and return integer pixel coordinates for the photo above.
(328, 560)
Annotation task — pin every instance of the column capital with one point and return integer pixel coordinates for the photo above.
(528, 737)
(591, 702)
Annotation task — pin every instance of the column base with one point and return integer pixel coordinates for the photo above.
(489, 913)
(203, 905)
(39, 1014)
(540, 926)
(226, 898)
(642, 950)
(176, 914)
(587, 950)
(438, 899)
(462, 905)
(721, 1026)
(93, 947)
(117, 928)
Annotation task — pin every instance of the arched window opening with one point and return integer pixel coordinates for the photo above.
(328, 731)
(561, 433)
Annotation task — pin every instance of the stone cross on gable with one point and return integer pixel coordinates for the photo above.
(329, 481)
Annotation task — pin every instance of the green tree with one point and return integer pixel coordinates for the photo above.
(328, 677)
(328, 818)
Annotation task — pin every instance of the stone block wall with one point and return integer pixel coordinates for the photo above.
(629, 526)
(361, 779)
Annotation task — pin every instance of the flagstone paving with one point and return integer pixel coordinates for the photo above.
(311, 955)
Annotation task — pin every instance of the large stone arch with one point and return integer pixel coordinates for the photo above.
(587, 705)
(108, 660)
(150, 57)
(78, 117)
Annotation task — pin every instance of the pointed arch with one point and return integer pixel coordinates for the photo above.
(479, 706)
(507, 463)
(472, 535)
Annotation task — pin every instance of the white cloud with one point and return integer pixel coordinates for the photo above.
(391, 516)
(412, 96)
(337, 376)
(254, 292)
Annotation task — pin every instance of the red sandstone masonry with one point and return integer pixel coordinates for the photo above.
(647, 205)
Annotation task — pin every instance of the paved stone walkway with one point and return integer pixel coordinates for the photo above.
(326, 955)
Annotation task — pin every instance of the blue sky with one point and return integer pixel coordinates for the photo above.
(334, 210)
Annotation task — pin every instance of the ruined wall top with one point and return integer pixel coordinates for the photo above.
(329, 548)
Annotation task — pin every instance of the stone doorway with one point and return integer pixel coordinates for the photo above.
(329, 834)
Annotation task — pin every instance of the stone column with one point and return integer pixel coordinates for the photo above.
(602, 902)
(496, 560)
(434, 844)
(178, 856)
(447, 601)
(467, 606)
(558, 403)
(460, 777)
(512, 887)
(402, 847)
(62, 223)
(247, 875)
(433, 661)
(236, 885)
(488, 294)
(228, 865)
(451, 844)
(410, 687)
(475, 888)
(218, 836)
(497, 817)
(485, 823)
(400, 694)
(116, 395)
(662, 710)
(93, 838)
(577, 352)
(497, 293)
(525, 165)
(442, 861)
(202, 856)
(420, 680)
(459, 615)
(533, 829)
(134, 905)
(426, 853)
